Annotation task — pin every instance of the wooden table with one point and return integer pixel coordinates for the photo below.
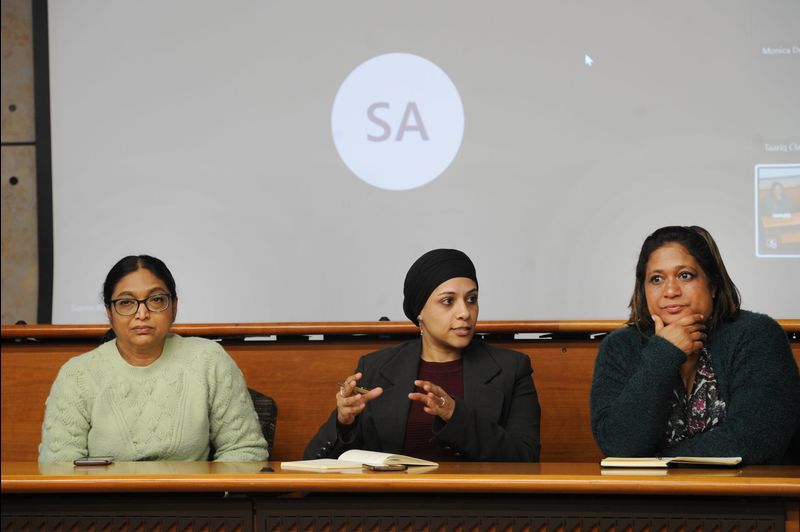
(454, 496)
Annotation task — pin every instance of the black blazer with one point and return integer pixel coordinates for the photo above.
(498, 419)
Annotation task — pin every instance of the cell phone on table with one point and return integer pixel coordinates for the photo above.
(94, 460)
(397, 467)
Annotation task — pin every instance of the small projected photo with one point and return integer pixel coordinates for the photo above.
(777, 197)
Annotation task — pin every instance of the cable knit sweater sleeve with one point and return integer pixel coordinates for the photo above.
(235, 430)
(67, 416)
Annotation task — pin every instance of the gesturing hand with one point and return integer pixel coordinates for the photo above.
(435, 399)
(687, 333)
(350, 403)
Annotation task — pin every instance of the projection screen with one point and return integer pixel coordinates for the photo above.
(289, 160)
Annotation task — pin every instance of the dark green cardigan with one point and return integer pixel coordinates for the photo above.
(758, 379)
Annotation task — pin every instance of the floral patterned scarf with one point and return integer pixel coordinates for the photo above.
(699, 411)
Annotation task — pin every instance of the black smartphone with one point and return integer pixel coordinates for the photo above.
(94, 460)
(398, 467)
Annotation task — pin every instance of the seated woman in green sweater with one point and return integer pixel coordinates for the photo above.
(692, 374)
(148, 394)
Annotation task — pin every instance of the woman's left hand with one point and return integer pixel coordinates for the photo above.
(435, 399)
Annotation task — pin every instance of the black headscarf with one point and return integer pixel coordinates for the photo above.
(428, 272)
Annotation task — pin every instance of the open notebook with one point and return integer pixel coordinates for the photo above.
(668, 461)
(355, 459)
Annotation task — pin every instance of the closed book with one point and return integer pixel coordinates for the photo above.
(670, 461)
(321, 464)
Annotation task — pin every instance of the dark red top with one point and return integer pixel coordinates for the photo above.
(419, 427)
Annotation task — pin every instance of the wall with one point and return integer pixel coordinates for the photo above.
(19, 259)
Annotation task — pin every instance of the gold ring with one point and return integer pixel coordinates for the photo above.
(444, 401)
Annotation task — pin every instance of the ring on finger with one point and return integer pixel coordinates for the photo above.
(442, 401)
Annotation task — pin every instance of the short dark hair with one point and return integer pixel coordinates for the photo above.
(700, 245)
(130, 264)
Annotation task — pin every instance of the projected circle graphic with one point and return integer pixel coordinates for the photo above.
(397, 121)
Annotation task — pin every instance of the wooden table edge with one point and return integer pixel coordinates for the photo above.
(402, 483)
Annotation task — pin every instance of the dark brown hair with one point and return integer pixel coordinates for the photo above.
(700, 245)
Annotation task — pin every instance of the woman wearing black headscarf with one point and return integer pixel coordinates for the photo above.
(444, 396)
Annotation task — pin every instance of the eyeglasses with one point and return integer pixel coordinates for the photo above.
(127, 306)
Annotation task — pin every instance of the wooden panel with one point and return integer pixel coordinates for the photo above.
(563, 378)
(238, 330)
(28, 371)
(529, 513)
(302, 380)
(301, 376)
(124, 511)
(407, 512)
(793, 517)
(218, 330)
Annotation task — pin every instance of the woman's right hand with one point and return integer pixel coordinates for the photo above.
(687, 333)
(350, 403)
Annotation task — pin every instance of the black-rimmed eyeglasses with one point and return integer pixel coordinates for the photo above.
(128, 306)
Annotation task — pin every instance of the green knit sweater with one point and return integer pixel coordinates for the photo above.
(191, 398)
(757, 376)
